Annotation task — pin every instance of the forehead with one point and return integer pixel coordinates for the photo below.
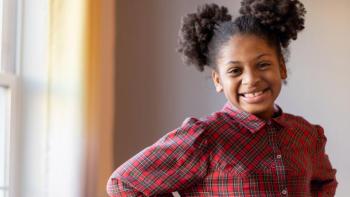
(245, 48)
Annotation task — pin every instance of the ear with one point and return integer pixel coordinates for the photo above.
(283, 69)
(216, 79)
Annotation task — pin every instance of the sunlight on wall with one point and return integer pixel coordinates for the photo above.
(65, 106)
(67, 77)
(52, 72)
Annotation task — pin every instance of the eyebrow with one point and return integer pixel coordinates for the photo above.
(257, 57)
(262, 55)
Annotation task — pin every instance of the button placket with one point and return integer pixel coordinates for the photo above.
(269, 122)
(284, 192)
(280, 169)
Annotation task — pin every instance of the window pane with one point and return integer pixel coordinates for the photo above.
(1, 22)
(3, 136)
(8, 35)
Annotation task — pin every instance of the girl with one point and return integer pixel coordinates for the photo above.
(250, 147)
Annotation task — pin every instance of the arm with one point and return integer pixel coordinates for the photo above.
(323, 181)
(177, 160)
(118, 188)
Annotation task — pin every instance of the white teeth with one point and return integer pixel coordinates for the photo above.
(258, 93)
(255, 94)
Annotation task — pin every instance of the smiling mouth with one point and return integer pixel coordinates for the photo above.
(253, 94)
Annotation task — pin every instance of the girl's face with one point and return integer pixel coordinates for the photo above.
(250, 74)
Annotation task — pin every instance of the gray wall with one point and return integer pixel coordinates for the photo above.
(156, 91)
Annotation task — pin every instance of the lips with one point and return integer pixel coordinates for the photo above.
(255, 96)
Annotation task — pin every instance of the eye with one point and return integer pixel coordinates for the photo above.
(235, 71)
(263, 65)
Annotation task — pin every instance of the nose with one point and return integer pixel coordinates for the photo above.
(250, 78)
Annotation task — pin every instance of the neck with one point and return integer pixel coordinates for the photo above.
(267, 114)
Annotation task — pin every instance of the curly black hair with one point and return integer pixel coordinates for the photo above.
(197, 31)
(204, 32)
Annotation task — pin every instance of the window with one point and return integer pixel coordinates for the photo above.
(8, 96)
(1, 1)
(3, 143)
(43, 70)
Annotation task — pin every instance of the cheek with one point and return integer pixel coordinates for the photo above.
(231, 88)
(274, 78)
(276, 86)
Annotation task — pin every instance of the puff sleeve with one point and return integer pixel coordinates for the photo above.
(323, 181)
(177, 160)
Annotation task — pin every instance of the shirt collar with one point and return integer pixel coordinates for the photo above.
(252, 122)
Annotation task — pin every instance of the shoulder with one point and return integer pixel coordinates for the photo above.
(219, 119)
(299, 123)
(206, 122)
(191, 133)
(297, 120)
(204, 126)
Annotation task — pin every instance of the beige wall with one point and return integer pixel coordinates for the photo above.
(156, 91)
(319, 87)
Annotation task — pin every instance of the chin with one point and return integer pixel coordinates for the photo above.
(256, 110)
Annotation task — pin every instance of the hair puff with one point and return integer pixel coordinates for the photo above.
(196, 31)
(285, 17)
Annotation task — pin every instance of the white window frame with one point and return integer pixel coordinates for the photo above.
(9, 79)
(9, 82)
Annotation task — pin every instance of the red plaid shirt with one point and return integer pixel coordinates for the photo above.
(231, 153)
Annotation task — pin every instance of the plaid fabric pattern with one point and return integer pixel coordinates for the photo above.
(231, 153)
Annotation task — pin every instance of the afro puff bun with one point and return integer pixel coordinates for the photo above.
(204, 32)
(284, 17)
(196, 31)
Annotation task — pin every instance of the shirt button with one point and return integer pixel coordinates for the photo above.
(284, 192)
(279, 156)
